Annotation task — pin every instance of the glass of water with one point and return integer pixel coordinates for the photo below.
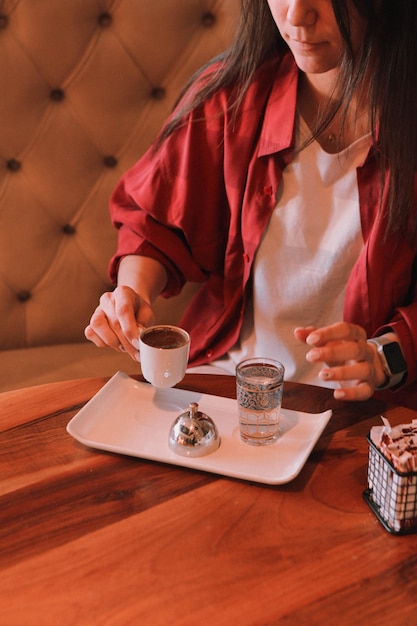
(259, 385)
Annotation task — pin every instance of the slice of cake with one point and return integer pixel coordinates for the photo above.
(398, 444)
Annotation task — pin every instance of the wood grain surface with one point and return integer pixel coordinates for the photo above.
(92, 538)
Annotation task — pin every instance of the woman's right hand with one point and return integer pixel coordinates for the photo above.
(119, 319)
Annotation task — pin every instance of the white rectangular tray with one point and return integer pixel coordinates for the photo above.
(133, 418)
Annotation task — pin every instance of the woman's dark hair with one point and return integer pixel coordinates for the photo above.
(384, 71)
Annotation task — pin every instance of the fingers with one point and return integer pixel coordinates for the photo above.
(302, 333)
(105, 334)
(119, 309)
(346, 356)
(337, 352)
(360, 392)
(353, 371)
(133, 313)
(342, 331)
(118, 320)
(99, 332)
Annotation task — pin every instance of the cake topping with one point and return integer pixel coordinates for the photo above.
(398, 444)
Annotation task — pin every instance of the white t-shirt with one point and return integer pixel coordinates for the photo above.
(305, 257)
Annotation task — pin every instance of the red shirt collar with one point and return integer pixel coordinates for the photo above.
(278, 125)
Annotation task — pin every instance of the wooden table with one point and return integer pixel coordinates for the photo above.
(92, 538)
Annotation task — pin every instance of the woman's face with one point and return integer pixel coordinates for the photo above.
(311, 32)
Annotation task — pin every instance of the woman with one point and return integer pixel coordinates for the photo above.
(284, 183)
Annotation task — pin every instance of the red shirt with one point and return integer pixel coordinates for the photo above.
(201, 203)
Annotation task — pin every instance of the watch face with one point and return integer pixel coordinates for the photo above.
(394, 357)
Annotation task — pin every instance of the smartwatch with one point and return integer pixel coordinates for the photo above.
(392, 360)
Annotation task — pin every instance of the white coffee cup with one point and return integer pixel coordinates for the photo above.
(164, 351)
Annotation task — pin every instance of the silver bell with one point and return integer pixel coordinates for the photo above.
(193, 433)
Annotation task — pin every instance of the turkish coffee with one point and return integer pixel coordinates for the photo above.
(162, 337)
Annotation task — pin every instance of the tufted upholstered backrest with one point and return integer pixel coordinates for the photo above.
(85, 86)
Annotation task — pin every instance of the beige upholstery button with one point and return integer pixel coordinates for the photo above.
(57, 95)
(110, 161)
(24, 296)
(104, 19)
(208, 20)
(69, 229)
(13, 165)
(158, 93)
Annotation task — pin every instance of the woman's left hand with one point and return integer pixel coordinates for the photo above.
(347, 359)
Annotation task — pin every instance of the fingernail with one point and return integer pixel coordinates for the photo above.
(135, 343)
(339, 394)
(312, 339)
(313, 355)
(325, 374)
